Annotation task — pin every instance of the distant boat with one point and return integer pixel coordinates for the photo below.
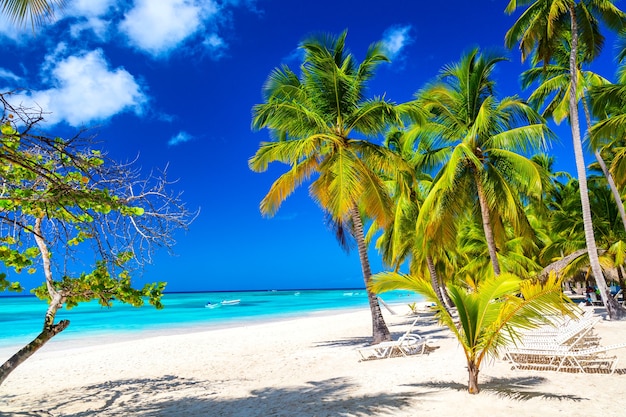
(212, 305)
(230, 302)
(348, 294)
(296, 293)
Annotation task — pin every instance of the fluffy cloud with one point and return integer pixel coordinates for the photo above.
(157, 27)
(179, 138)
(8, 75)
(86, 90)
(395, 39)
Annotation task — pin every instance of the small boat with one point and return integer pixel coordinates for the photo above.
(212, 305)
(230, 302)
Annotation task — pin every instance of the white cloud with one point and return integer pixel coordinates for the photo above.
(157, 27)
(89, 8)
(9, 75)
(87, 90)
(395, 39)
(179, 138)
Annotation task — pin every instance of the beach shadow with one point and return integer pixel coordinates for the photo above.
(433, 334)
(173, 396)
(518, 388)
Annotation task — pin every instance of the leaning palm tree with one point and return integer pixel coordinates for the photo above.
(319, 120)
(490, 316)
(485, 139)
(552, 95)
(609, 133)
(35, 11)
(542, 26)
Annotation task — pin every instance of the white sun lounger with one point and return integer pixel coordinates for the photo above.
(407, 344)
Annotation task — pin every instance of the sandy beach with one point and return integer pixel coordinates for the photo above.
(300, 367)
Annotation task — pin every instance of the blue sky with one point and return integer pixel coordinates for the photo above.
(173, 82)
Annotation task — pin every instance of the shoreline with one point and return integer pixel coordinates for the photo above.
(303, 366)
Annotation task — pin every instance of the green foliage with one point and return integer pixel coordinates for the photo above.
(58, 193)
(313, 117)
(491, 315)
(100, 285)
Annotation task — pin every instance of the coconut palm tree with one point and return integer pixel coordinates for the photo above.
(35, 11)
(609, 133)
(320, 121)
(484, 139)
(399, 241)
(552, 94)
(539, 29)
(489, 316)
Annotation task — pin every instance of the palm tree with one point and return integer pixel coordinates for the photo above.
(540, 28)
(553, 91)
(483, 138)
(319, 120)
(490, 316)
(37, 11)
(608, 103)
(399, 241)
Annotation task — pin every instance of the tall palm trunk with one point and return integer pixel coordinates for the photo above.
(606, 172)
(612, 307)
(484, 212)
(49, 328)
(440, 289)
(380, 332)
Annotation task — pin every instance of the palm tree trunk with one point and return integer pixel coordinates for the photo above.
(440, 290)
(472, 384)
(484, 212)
(613, 309)
(380, 332)
(605, 171)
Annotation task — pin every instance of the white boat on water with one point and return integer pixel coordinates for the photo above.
(230, 302)
(212, 305)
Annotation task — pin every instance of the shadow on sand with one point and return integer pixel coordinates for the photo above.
(173, 396)
(519, 388)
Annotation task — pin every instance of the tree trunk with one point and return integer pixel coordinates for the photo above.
(611, 305)
(472, 384)
(56, 302)
(605, 171)
(484, 212)
(380, 332)
(434, 281)
(438, 286)
(27, 351)
(614, 190)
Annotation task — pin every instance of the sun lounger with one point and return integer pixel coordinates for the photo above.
(565, 360)
(407, 344)
(574, 349)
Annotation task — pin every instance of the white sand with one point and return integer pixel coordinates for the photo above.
(302, 367)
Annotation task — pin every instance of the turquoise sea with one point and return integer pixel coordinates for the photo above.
(21, 318)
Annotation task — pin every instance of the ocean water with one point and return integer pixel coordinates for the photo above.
(21, 318)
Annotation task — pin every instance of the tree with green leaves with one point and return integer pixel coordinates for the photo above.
(490, 316)
(35, 11)
(540, 28)
(321, 121)
(481, 142)
(552, 94)
(61, 200)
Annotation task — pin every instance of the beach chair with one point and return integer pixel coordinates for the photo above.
(561, 359)
(407, 344)
(595, 300)
(575, 349)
